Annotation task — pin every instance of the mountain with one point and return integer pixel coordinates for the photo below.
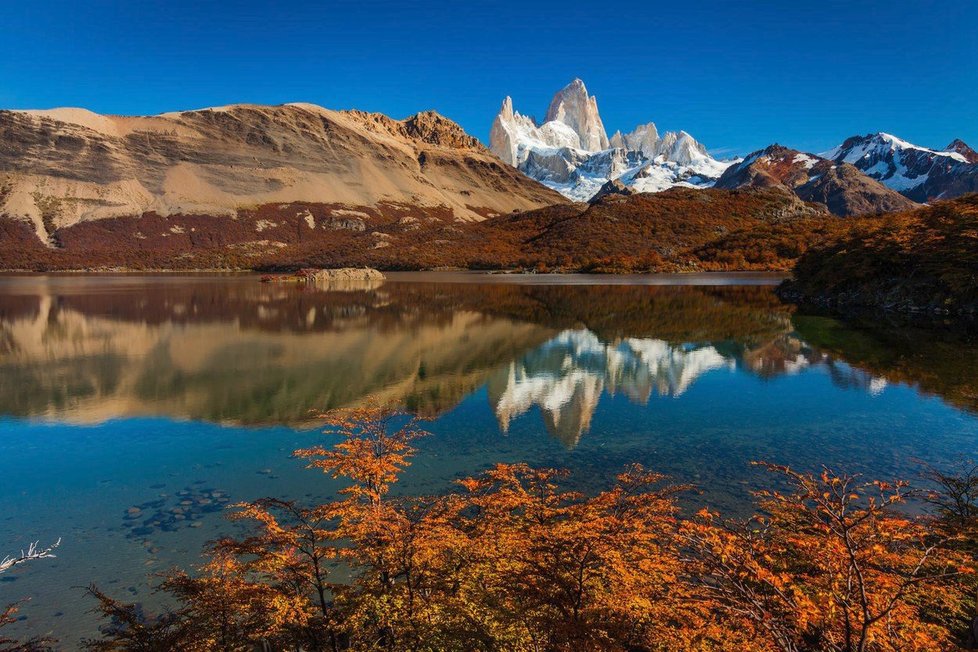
(572, 153)
(840, 186)
(960, 147)
(63, 168)
(916, 172)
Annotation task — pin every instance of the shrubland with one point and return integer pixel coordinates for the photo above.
(511, 559)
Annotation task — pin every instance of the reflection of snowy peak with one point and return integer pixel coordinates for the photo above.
(571, 151)
(566, 376)
(916, 172)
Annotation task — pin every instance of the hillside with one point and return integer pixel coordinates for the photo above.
(677, 230)
(924, 260)
(64, 172)
(843, 188)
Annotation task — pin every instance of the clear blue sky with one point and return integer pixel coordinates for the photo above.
(737, 75)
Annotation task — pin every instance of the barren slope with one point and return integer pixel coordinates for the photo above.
(65, 166)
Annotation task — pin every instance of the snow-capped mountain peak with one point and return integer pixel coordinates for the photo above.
(920, 173)
(572, 106)
(960, 147)
(572, 153)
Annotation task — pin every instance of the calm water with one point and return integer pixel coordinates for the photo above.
(157, 394)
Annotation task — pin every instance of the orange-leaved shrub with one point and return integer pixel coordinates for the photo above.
(511, 560)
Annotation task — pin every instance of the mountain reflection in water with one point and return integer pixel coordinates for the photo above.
(122, 392)
(231, 350)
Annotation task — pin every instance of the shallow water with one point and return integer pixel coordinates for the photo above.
(134, 408)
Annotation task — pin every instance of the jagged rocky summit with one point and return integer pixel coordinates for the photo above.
(841, 187)
(916, 172)
(571, 152)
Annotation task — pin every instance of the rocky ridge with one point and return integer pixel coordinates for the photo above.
(571, 152)
(65, 167)
(839, 186)
(916, 172)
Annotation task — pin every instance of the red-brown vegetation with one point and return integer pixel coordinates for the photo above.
(676, 230)
(512, 561)
(922, 260)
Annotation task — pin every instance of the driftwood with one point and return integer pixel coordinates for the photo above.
(32, 552)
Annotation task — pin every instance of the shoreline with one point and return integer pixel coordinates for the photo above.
(766, 278)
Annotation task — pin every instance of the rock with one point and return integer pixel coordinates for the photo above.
(613, 187)
(342, 274)
(575, 108)
(339, 275)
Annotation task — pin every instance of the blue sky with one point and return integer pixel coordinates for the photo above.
(737, 75)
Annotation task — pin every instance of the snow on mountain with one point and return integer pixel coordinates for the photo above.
(916, 172)
(843, 188)
(571, 152)
(959, 146)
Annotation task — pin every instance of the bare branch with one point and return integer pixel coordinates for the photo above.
(30, 554)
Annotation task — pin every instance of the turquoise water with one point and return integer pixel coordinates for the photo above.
(134, 408)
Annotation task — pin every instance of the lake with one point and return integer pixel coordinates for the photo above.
(133, 409)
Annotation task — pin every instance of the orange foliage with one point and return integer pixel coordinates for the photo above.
(830, 565)
(511, 561)
(920, 260)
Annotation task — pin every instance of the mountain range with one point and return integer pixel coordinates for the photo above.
(571, 153)
(251, 186)
(64, 167)
(918, 173)
(842, 187)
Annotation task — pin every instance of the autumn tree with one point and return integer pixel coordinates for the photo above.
(831, 564)
(513, 560)
(560, 571)
(399, 551)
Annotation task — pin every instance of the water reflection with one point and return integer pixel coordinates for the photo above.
(231, 350)
(566, 377)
